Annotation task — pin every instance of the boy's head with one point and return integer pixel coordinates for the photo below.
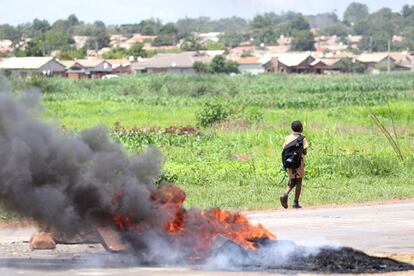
(297, 126)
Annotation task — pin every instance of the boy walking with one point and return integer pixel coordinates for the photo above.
(296, 139)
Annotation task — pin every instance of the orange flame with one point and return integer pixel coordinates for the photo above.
(194, 231)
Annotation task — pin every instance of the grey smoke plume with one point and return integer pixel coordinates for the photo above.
(64, 181)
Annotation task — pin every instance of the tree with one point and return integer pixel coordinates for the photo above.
(164, 40)
(407, 11)
(337, 29)
(71, 53)
(167, 35)
(377, 43)
(267, 36)
(355, 12)
(137, 50)
(298, 24)
(9, 32)
(188, 26)
(150, 26)
(18, 52)
(114, 54)
(231, 39)
(35, 48)
(54, 40)
(73, 20)
(169, 29)
(191, 43)
(211, 45)
(200, 67)
(265, 20)
(40, 26)
(62, 26)
(99, 37)
(219, 65)
(346, 65)
(361, 27)
(408, 34)
(303, 41)
(231, 67)
(232, 24)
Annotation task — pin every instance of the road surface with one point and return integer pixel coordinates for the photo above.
(376, 229)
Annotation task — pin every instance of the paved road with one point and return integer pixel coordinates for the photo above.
(387, 228)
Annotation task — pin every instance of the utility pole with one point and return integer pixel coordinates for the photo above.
(389, 58)
(370, 44)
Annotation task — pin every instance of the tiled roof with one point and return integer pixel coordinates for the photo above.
(248, 60)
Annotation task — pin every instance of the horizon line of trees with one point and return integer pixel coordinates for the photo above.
(376, 28)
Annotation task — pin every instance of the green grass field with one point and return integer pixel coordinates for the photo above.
(349, 160)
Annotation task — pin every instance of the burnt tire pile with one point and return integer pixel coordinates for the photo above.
(288, 256)
(347, 260)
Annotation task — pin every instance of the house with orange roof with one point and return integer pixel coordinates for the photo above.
(250, 65)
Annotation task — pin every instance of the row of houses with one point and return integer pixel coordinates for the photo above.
(50, 66)
(308, 62)
(182, 63)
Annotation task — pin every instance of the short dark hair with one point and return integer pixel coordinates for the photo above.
(297, 126)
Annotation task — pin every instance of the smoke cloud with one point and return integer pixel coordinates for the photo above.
(65, 182)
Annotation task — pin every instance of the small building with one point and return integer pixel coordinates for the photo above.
(120, 66)
(89, 68)
(26, 66)
(377, 62)
(290, 63)
(325, 65)
(250, 65)
(318, 66)
(179, 63)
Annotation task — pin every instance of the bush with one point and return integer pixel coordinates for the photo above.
(253, 114)
(213, 112)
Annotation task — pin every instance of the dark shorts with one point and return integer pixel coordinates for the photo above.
(294, 181)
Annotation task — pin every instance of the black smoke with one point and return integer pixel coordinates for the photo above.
(63, 181)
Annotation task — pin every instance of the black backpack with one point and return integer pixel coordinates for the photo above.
(292, 153)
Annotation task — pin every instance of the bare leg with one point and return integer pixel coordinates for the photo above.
(288, 190)
(298, 191)
(285, 195)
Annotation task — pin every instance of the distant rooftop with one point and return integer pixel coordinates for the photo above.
(24, 62)
(178, 60)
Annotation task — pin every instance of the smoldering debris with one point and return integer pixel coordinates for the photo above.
(283, 255)
(67, 182)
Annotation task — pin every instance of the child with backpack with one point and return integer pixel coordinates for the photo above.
(294, 150)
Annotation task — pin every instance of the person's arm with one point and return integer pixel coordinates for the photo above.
(305, 146)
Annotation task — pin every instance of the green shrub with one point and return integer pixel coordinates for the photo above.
(213, 112)
(252, 114)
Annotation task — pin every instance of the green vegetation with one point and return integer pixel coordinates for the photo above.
(235, 162)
